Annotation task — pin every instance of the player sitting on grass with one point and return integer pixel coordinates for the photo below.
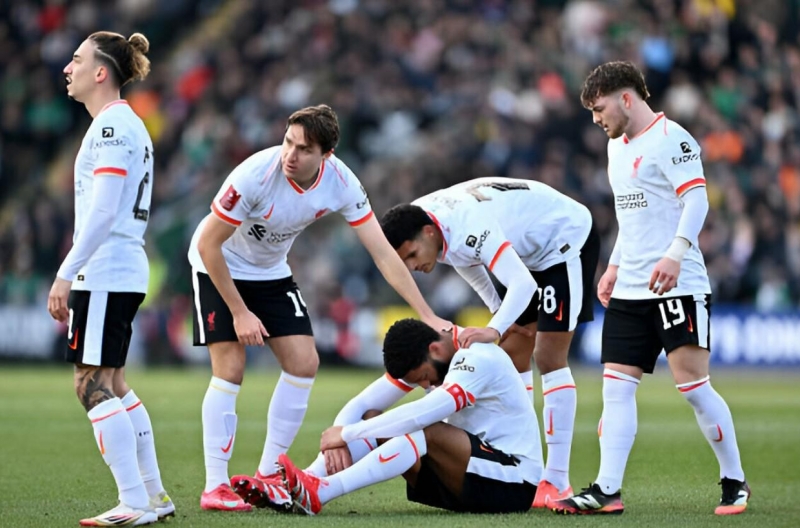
(466, 446)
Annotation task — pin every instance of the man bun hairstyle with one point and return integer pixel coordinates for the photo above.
(610, 77)
(125, 58)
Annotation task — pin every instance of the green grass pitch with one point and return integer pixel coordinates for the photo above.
(52, 474)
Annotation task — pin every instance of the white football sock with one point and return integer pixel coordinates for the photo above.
(287, 408)
(715, 420)
(390, 460)
(527, 379)
(145, 443)
(617, 428)
(115, 438)
(358, 449)
(558, 419)
(219, 430)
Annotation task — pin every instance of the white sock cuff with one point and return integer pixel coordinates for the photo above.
(417, 439)
(686, 387)
(129, 400)
(105, 410)
(224, 386)
(613, 374)
(527, 378)
(558, 377)
(296, 381)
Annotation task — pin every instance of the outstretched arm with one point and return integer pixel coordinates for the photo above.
(395, 272)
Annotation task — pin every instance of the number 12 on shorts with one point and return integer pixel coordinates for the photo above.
(676, 314)
(297, 300)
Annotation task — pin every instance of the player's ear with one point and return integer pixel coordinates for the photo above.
(101, 74)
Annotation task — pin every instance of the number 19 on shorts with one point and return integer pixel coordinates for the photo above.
(672, 313)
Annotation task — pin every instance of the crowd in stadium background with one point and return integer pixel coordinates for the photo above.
(428, 93)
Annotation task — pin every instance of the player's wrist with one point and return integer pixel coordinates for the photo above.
(677, 249)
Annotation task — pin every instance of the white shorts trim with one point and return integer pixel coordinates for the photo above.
(95, 326)
(575, 279)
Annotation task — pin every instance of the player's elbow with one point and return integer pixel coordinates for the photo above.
(526, 285)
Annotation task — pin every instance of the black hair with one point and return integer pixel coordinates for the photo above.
(404, 222)
(405, 346)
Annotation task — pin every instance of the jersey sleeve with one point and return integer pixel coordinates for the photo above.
(238, 195)
(482, 240)
(355, 206)
(469, 377)
(112, 143)
(681, 162)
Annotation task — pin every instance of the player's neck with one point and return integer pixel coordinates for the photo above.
(641, 117)
(307, 182)
(99, 100)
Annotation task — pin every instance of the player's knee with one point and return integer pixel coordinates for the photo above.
(303, 365)
(93, 385)
(549, 360)
(372, 413)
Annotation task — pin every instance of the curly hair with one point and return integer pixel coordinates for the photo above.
(404, 222)
(610, 77)
(320, 124)
(405, 346)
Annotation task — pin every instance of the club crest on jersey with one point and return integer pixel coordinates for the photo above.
(229, 199)
(108, 132)
(471, 241)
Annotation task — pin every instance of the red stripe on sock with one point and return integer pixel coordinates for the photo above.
(611, 376)
(414, 445)
(135, 405)
(692, 387)
(548, 391)
(106, 416)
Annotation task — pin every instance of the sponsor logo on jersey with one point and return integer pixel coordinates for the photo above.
(257, 231)
(461, 365)
(471, 241)
(631, 201)
(108, 132)
(229, 199)
(117, 142)
(361, 205)
(686, 157)
(277, 238)
(479, 245)
(685, 147)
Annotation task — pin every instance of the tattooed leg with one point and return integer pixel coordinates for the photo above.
(94, 385)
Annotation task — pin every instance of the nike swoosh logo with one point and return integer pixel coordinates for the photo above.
(691, 328)
(560, 311)
(550, 429)
(228, 447)
(74, 343)
(102, 447)
(384, 460)
(719, 430)
(485, 449)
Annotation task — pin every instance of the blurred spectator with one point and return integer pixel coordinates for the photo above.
(429, 93)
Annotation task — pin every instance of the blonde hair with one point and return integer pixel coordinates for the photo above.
(126, 58)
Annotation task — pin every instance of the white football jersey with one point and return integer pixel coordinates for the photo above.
(493, 404)
(479, 218)
(269, 210)
(649, 173)
(117, 142)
